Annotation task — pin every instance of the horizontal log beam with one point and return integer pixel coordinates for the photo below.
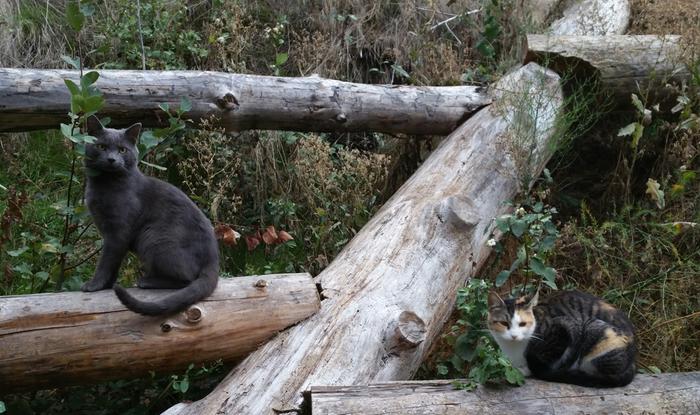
(72, 338)
(622, 64)
(668, 393)
(33, 99)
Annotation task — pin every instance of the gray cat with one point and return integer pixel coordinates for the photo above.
(172, 238)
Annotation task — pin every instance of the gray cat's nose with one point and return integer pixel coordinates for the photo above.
(111, 160)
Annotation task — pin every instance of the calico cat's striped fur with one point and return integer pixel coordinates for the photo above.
(572, 337)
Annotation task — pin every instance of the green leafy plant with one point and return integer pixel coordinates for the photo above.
(155, 142)
(635, 130)
(276, 35)
(476, 356)
(86, 100)
(169, 39)
(532, 228)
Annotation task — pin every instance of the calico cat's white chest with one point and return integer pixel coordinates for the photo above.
(515, 350)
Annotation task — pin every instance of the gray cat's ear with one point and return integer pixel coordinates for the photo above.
(495, 300)
(533, 300)
(94, 126)
(132, 133)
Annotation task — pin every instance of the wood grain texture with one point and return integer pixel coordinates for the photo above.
(389, 292)
(593, 17)
(668, 393)
(622, 64)
(33, 99)
(75, 338)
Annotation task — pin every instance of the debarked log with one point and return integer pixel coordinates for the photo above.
(391, 289)
(33, 99)
(60, 339)
(592, 17)
(640, 64)
(668, 393)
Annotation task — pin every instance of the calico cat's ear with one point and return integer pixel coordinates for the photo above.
(132, 133)
(495, 300)
(94, 126)
(533, 300)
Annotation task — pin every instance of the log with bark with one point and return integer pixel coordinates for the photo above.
(621, 64)
(668, 393)
(389, 292)
(33, 99)
(592, 17)
(61, 339)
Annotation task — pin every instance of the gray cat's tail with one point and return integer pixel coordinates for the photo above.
(198, 289)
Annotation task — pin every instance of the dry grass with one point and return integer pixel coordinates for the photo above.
(665, 17)
(32, 34)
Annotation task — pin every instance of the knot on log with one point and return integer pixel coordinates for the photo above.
(194, 315)
(228, 102)
(409, 332)
(341, 118)
(185, 320)
(459, 212)
(261, 284)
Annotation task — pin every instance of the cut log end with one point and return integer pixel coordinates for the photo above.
(410, 332)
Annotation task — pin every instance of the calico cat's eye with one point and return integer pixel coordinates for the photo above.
(504, 323)
(101, 147)
(122, 150)
(522, 324)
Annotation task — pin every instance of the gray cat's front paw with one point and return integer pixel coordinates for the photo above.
(94, 285)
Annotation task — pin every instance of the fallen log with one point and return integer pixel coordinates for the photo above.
(33, 99)
(389, 292)
(62, 339)
(668, 393)
(593, 17)
(621, 64)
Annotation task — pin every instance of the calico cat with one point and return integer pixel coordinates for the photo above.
(172, 238)
(572, 337)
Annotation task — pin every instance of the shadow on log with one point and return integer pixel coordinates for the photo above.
(622, 65)
(63, 339)
(668, 393)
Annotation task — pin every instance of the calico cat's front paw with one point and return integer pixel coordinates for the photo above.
(94, 285)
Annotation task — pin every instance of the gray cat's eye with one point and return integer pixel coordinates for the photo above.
(122, 150)
(102, 147)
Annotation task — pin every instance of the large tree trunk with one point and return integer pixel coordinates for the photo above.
(669, 393)
(33, 99)
(593, 17)
(389, 292)
(61, 339)
(622, 64)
